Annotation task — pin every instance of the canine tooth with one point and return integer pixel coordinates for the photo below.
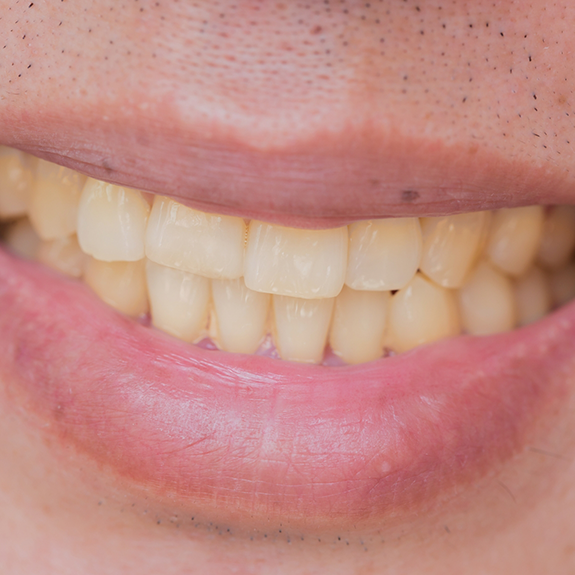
(64, 255)
(179, 301)
(422, 312)
(562, 284)
(54, 203)
(487, 301)
(16, 181)
(241, 315)
(450, 246)
(301, 327)
(533, 296)
(558, 238)
(112, 222)
(383, 254)
(22, 239)
(120, 284)
(294, 262)
(206, 244)
(514, 238)
(358, 327)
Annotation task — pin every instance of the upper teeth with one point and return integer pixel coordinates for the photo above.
(472, 270)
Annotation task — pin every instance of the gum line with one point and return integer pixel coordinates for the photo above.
(349, 294)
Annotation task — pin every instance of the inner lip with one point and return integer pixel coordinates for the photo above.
(364, 444)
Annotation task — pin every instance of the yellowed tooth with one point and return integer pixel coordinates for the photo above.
(450, 246)
(487, 301)
(533, 296)
(206, 244)
(294, 262)
(420, 313)
(558, 238)
(383, 254)
(54, 202)
(358, 327)
(179, 301)
(16, 181)
(22, 239)
(301, 327)
(562, 284)
(64, 255)
(121, 285)
(514, 238)
(241, 315)
(112, 222)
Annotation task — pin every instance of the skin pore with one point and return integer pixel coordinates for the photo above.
(310, 114)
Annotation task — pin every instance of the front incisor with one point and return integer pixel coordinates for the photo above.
(422, 312)
(190, 240)
(54, 202)
(383, 254)
(358, 327)
(112, 222)
(450, 246)
(514, 238)
(295, 262)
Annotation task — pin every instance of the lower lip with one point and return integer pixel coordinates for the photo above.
(232, 435)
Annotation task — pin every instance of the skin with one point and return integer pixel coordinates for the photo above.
(470, 105)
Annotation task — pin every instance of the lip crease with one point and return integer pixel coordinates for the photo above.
(226, 434)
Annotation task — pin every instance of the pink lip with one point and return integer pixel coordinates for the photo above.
(225, 434)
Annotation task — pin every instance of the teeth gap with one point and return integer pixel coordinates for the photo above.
(332, 297)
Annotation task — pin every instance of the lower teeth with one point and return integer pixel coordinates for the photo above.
(408, 281)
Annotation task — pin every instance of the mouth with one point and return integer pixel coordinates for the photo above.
(323, 376)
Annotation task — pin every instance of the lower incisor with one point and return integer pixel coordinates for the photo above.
(359, 323)
(420, 313)
(179, 301)
(301, 327)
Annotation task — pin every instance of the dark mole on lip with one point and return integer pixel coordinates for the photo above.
(409, 195)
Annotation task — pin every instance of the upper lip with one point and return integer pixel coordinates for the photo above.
(326, 179)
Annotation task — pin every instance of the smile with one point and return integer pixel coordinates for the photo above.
(417, 383)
